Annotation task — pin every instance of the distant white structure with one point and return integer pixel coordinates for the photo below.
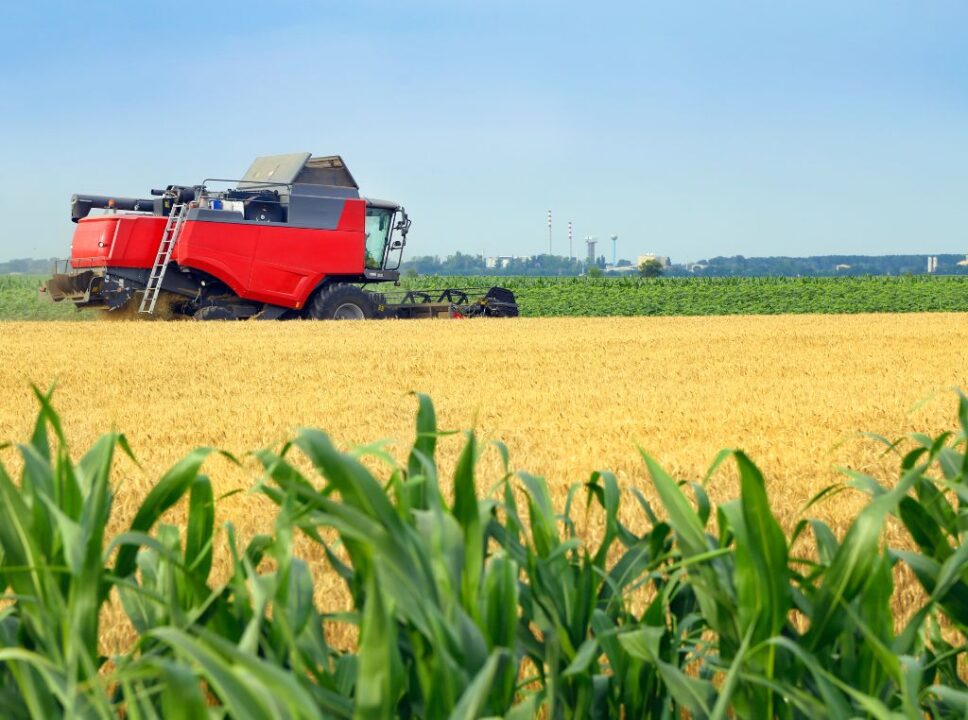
(663, 260)
(502, 261)
(622, 270)
(932, 263)
(842, 266)
(964, 263)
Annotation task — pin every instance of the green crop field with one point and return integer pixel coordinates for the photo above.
(552, 297)
(549, 297)
(19, 301)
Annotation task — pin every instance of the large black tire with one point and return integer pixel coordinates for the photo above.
(214, 312)
(340, 302)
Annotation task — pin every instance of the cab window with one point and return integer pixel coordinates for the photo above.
(378, 224)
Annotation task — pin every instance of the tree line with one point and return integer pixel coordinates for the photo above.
(720, 266)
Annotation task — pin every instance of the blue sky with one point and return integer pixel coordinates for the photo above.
(690, 129)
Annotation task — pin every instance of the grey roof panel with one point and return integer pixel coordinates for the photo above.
(281, 169)
(329, 170)
(303, 168)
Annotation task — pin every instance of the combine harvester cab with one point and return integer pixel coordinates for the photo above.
(291, 238)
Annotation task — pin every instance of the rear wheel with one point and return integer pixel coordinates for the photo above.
(340, 302)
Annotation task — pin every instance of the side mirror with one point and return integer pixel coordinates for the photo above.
(403, 224)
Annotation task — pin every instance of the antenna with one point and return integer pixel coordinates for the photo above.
(549, 232)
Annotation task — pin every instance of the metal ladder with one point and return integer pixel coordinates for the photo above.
(168, 239)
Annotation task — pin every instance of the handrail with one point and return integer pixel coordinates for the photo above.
(259, 183)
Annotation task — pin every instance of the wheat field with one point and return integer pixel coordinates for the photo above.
(566, 395)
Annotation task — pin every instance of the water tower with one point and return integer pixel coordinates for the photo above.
(614, 256)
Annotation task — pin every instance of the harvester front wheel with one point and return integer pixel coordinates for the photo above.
(340, 302)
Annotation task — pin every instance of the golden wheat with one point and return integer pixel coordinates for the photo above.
(567, 396)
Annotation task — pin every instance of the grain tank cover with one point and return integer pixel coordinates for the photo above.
(329, 170)
(281, 169)
(299, 168)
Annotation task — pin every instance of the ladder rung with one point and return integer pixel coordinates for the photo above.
(156, 276)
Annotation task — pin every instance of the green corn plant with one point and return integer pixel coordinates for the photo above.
(57, 569)
(744, 597)
(573, 603)
(482, 606)
(935, 514)
(256, 641)
(431, 601)
(848, 661)
(52, 540)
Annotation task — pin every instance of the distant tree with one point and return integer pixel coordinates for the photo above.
(650, 268)
(423, 265)
(595, 272)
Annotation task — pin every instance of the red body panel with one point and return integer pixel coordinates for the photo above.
(129, 241)
(274, 263)
(267, 263)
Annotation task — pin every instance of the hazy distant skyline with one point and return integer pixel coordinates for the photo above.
(688, 129)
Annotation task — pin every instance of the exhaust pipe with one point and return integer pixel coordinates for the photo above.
(81, 205)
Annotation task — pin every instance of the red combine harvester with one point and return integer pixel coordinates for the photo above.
(292, 238)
